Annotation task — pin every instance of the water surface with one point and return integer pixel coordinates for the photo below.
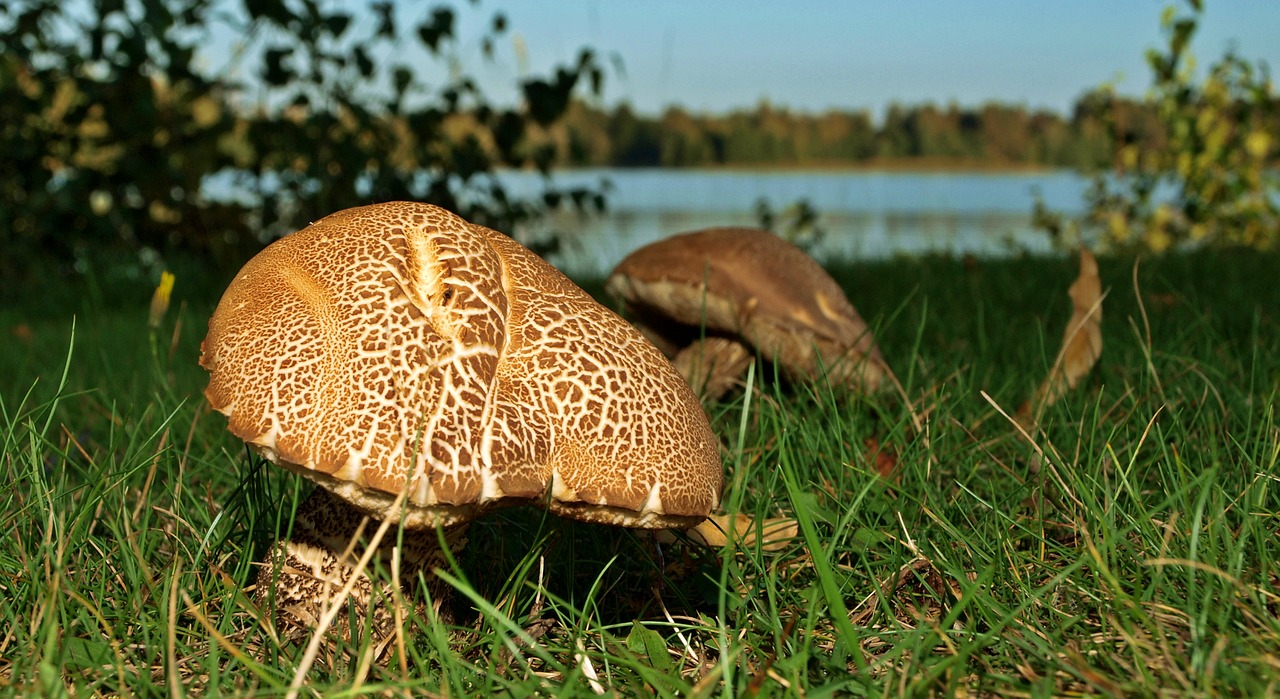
(865, 214)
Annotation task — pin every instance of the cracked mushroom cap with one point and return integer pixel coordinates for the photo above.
(397, 346)
(751, 285)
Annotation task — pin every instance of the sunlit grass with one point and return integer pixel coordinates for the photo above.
(1129, 546)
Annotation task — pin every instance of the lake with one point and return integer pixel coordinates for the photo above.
(865, 214)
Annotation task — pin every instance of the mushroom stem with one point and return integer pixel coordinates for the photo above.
(305, 571)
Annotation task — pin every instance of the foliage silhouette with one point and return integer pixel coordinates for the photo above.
(121, 143)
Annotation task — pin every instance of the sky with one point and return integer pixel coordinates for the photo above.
(716, 55)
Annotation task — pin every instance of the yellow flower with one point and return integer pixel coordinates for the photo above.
(160, 299)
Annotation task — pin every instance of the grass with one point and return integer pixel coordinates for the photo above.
(1128, 547)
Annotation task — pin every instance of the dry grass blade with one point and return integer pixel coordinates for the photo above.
(588, 670)
(1081, 342)
(335, 603)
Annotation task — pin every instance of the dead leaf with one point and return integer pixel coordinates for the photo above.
(918, 592)
(884, 458)
(713, 365)
(719, 531)
(1081, 342)
(1162, 301)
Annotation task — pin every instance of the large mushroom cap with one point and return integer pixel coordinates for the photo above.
(398, 346)
(749, 284)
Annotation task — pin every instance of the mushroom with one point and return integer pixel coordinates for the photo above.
(699, 296)
(398, 351)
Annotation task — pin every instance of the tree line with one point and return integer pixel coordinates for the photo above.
(989, 135)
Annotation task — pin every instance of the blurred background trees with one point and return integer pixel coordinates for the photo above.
(124, 141)
(989, 135)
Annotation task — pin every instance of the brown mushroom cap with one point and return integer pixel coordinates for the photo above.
(398, 346)
(749, 284)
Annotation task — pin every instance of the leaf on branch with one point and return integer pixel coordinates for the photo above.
(547, 100)
(275, 11)
(336, 24)
(275, 72)
(364, 64)
(386, 19)
(1081, 342)
(436, 29)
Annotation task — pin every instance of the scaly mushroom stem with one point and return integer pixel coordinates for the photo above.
(306, 571)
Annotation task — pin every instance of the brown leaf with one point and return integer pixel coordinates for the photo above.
(718, 530)
(1162, 301)
(918, 591)
(1081, 342)
(884, 458)
(713, 365)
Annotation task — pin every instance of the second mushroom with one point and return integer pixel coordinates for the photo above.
(710, 299)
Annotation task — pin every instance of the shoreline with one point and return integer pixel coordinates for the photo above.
(897, 165)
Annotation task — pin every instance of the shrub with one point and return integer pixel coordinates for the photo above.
(117, 126)
(1212, 181)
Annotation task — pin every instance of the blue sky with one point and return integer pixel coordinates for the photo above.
(808, 55)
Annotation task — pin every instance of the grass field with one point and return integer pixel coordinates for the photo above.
(1128, 547)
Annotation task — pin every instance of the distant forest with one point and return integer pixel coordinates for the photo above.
(991, 135)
